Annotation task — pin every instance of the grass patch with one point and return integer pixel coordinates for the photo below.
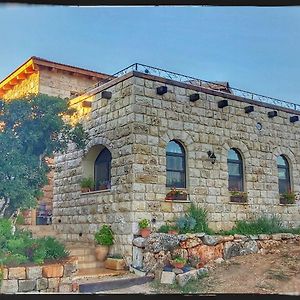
(278, 275)
(261, 225)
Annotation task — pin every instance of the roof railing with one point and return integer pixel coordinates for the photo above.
(197, 82)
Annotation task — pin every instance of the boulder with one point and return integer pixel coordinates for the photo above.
(167, 277)
(139, 242)
(161, 242)
(249, 247)
(286, 236)
(191, 242)
(211, 240)
(183, 279)
(206, 253)
(177, 271)
(231, 249)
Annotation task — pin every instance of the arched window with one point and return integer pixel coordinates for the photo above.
(176, 176)
(284, 182)
(102, 170)
(235, 171)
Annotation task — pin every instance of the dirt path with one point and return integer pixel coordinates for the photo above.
(256, 273)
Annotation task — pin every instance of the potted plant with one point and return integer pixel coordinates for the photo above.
(104, 238)
(178, 262)
(115, 262)
(104, 185)
(287, 198)
(145, 229)
(238, 196)
(175, 194)
(87, 185)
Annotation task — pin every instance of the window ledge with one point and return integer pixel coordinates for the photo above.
(178, 201)
(96, 192)
(239, 203)
(287, 204)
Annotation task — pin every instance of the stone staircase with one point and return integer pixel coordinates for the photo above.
(39, 230)
(86, 256)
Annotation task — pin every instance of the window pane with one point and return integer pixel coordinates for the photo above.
(282, 173)
(175, 179)
(283, 186)
(174, 147)
(281, 161)
(102, 170)
(234, 169)
(175, 163)
(235, 184)
(233, 155)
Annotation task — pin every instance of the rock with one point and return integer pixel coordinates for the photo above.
(139, 242)
(227, 238)
(177, 271)
(137, 257)
(211, 240)
(231, 249)
(182, 237)
(253, 236)
(70, 268)
(41, 284)
(219, 260)
(263, 237)
(17, 273)
(183, 279)
(161, 242)
(241, 237)
(276, 237)
(191, 242)
(9, 287)
(27, 285)
(34, 272)
(200, 234)
(65, 288)
(249, 247)
(186, 269)
(53, 283)
(181, 252)
(53, 270)
(206, 253)
(202, 272)
(167, 277)
(286, 236)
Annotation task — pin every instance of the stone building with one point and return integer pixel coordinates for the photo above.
(232, 155)
(38, 75)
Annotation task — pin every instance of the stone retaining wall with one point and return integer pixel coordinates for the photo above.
(153, 253)
(56, 277)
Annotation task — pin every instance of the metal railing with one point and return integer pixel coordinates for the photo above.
(197, 82)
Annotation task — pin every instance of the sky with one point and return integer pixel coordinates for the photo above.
(253, 48)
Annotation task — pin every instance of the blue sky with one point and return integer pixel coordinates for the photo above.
(254, 48)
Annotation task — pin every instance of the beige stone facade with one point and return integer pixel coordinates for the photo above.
(136, 125)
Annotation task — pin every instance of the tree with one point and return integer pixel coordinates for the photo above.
(31, 129)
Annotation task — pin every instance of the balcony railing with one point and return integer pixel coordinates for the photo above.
(197, 82)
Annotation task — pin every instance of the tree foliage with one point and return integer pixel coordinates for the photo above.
(31, 129)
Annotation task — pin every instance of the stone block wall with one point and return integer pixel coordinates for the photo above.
(62, 83)
(76, 215)
(136, 124)
(56, 277)
(155, 252)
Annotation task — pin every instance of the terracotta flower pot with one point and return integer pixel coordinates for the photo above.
(101, 252)
(178, 265)
(145, 232)
(172, 232)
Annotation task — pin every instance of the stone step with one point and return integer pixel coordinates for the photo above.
(87, 258)
(81, 251)
(90, 265)
(84, 275)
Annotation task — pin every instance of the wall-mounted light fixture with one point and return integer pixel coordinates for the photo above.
(294, 119)
(211, 156)
(222, 103)
(194, 97)
(106, 94)
(272, 114)
(161, 90)
(249, 109)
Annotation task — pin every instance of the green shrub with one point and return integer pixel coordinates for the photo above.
(14, 260)
(164, 228)
(104, 236)
(186, 224)
(53, 248)
(20, 220)
(5, 232)
(260, 225)
(87, 183)
(200, 216)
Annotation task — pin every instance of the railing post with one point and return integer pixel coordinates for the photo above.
(136, 66)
